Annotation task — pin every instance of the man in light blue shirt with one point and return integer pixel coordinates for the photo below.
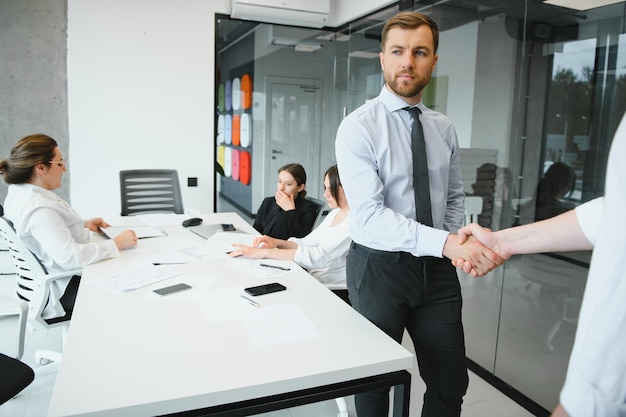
(397, 275)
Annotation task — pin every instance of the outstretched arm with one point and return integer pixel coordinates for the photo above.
(560, 233)
(481, 258)
(262, 253)
(270, 243)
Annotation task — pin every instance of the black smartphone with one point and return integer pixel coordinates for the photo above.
(265, 289)
(228, 227)
(172, 289)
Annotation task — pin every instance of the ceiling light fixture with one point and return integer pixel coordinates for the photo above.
(581, 4)
(298, 45)
(363, 54)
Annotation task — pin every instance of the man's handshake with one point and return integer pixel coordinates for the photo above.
(561, 233)
(474, 250)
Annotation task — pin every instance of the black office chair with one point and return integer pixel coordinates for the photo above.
(321, 210)
(16, 375)
(146, 191)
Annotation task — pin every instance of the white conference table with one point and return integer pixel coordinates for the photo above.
(207, 351)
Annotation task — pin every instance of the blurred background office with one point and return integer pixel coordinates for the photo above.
(529, 84)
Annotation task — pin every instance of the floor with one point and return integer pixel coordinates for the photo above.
(481, 400)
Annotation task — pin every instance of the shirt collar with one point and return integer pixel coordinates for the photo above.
(37, 189)
(394, 103)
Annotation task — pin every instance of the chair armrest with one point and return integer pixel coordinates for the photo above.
(63, 274)
(38, 303)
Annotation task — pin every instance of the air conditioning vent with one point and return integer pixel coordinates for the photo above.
(308, 13)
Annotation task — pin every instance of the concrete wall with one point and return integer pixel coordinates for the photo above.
(33, 75)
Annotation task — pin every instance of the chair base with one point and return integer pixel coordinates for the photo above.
(342, 405)
(47, 369)
(44, 357)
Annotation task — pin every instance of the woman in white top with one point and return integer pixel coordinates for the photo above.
(47, 224)
(323, 251)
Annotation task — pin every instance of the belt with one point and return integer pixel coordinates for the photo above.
(398, 256)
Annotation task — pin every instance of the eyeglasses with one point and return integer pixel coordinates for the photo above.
(61, 163)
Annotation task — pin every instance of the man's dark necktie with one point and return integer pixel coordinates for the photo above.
(420, 170)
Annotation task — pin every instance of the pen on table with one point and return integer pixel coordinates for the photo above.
(252, 302)
(282, 268)
(168, 263)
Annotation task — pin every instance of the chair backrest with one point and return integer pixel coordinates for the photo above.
(321, 210)
(473, 207)
(150, 191)
(32, 278)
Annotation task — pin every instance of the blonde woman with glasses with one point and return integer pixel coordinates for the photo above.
(46, 224)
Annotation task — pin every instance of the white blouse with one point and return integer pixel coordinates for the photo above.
(323, 251)
(55, 233)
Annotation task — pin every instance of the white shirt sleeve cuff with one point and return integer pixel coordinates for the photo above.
(111, 249)
(430, 241)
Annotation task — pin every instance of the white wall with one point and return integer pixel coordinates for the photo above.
(140, 87)
(141, 93)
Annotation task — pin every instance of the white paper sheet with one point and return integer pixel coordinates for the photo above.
(198, 253)
(265, 324)
(226, 239)
(166, 257)
(277, 324)
(133, 278)
(222, 305)
(265, 268)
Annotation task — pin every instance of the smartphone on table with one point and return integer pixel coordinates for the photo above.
(172, 289)
(265, 289)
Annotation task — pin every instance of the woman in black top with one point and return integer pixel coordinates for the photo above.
(288, 213)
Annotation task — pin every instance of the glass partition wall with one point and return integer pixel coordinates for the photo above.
(536, 93)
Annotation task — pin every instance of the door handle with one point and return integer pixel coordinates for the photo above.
(274, 151)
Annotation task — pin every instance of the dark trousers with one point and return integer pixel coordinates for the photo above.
(395, 290)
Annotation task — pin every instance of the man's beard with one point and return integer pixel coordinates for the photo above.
(406, 89)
